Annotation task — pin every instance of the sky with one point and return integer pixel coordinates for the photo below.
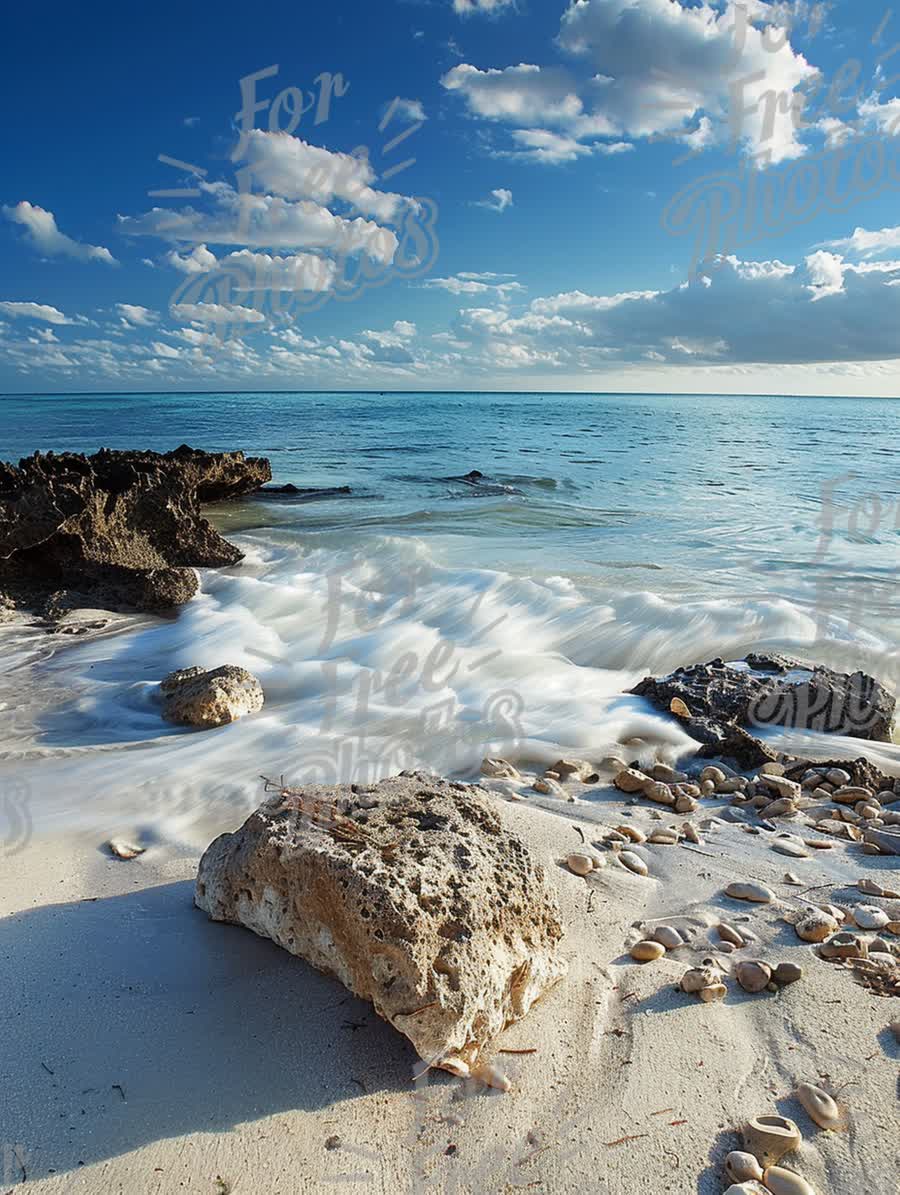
(609, 195)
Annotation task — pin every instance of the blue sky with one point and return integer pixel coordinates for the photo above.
(442, 194)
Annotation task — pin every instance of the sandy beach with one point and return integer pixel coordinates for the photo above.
(150, 1050)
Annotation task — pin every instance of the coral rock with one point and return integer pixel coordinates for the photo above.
(195, 697)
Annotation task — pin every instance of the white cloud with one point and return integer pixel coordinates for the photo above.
(198, 261)
(498, 201)
(34, 311)
(413, 110)
(260, 271)
(136, 316)
(650, 68)
(216, 313)
(467, 8)
(868, 244)
(42, 232)
(826, 274)
(472, 284)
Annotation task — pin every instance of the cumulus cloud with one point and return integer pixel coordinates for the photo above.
(868, 243)
(216, 313)
(651, 68)
(42, 232)
(34, 311)
(135, 316)
(498, 201)
(199, 261)
(472, 284)
(412, 110)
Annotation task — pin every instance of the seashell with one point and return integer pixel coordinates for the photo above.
(579, 863)
(785, 1182)
(646, 951)
(630, 780)
(729, 934)
(679, 709)
(742, 1167)
(769, 1138)
(816, 927)
(750, 1188)
(632, 832)
(870, 917)
(707, 788)
(838, 776)
(786, 973)
(124, 850)
(634, 863)
(727, 948)
(670, 938)
(753, 976)
(819, 1106)
(698, 978)
(754, 892)
(716, 991)
(491, 1076)
(690, 833)
(716, 775)
(790, 878)
(785, 846)
(499, 769)
(659, 792)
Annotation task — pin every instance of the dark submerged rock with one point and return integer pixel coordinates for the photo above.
(116, 530)
(726, 702)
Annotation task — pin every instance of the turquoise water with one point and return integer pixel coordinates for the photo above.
(423, 621)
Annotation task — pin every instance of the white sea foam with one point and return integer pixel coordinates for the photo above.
(372, 659)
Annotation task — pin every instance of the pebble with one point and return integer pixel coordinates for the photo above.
(790, 878)
(646, 951)
(838, 776)
(663, 838)
(769, 1138)
(685, 804)
(753, 976)
(736, 784)
(742, 1167)
(579, 768)
(632, 832)
(668, 937)
(783, 786)
(785, 1182)
(698, 978)
(750, 1188)
(729, 934)
(550, 788)
(659, 792)
(783, 807)
(716, 775)
(754, 892)
(668, 775)
(727, 947)
(717, 991)
(690, 833)
(819, 1106)
(772, 769)
(786, 973)
(499, 769)
(870, 917)
(845, 945)
(124, 850)
(816, 927)
(634, 863)
(850, 795)
(580, 863)
(630, 780)
(784, 846)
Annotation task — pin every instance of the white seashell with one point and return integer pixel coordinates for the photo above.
(742, 1167)
(754, 892)
(634, 863)
(870, 917)
(785, 1182)
(646, 951)
(491, 1076)
(670, 938)
(819, 1106)
(785, 846)
(768, 1138)
(753, 976)
(579, 863)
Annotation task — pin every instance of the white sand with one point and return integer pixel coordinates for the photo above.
(148, 1050)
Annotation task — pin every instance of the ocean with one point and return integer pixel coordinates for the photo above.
(426, 621)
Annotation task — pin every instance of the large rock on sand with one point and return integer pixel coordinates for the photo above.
(195, 697)
(116, 530)
(727, 701)
(411, 892)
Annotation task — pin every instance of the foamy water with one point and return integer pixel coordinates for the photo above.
(420, 623)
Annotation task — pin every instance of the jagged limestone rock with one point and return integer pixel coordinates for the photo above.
(412, 893)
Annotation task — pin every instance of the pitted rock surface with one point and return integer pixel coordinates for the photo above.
(196, 697)
(116, 530)
(412, 893)
(726, 703)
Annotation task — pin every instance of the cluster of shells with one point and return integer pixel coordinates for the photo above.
(766, 1139)
(863, 936)
(708, 981)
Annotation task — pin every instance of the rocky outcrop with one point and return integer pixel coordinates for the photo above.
(117, 530)
(725, 702)
(410, 892)
(195, 697)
